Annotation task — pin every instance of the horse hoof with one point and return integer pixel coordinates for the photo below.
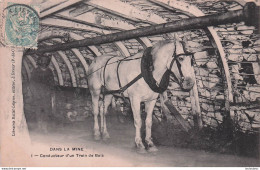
(141, 150)
(97, 137)
(152, 149)
(105, 137)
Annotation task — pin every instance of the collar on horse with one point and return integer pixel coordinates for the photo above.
(147, 69)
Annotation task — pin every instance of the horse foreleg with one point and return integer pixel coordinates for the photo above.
(149, 106)
(135, 105)
(95, 99)
(103, 112)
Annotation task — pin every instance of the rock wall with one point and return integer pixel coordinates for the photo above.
(241, 45)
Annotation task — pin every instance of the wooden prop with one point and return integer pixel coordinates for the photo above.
(177, 115)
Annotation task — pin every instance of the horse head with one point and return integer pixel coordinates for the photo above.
(180, 65)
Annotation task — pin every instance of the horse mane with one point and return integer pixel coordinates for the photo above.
(158, 45)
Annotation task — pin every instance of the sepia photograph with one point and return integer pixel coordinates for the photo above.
(130, 83)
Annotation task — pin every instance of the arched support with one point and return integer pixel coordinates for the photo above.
(94, 50)
(67, 62)
(26, 66)
(122, 48)
(32, 61)
(145, 42)
(81, 58)
(57, 68)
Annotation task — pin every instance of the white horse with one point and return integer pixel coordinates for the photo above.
(104, 71)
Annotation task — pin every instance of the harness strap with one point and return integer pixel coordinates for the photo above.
(119, 82)
(121, 89)
(104, 72)
(117, 72)
(177, 63)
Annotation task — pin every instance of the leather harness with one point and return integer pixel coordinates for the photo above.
(146, 73)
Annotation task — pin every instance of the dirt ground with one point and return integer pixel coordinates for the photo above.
(121, 146)
(207, 147)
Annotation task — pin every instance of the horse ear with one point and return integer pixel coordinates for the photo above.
(176, 37)
(177, 40)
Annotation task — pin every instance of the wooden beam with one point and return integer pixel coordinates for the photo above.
(177, 115)
(27, 69)
(94, 50)
(78, 54)
(58, 8)
(50, 4)
(57, 68)
(195, 103)
(55, 22)
(185, 24)
(50, 34)
(145, 42)
(112, 9)
(67, 27)
(32, 61)
(228, 91)
(122, 48)
(176, 6)
(96, 20)
(80, 10)
(71, 19)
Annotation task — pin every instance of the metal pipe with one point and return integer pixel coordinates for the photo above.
(248, 14)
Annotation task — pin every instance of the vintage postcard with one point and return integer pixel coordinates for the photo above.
(129, 83)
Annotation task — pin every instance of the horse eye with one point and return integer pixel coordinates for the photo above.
(181, 58)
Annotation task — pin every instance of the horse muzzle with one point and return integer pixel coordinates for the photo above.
(187, 83)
